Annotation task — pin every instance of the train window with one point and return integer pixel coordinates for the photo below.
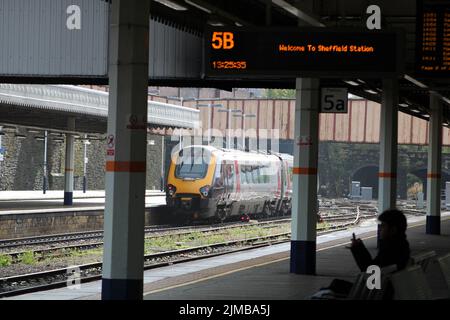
(249, 175)
(255, 174)
(193, 164)
(243, 174)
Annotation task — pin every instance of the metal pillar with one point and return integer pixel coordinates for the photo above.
(85, 159)
(387, 186)
(69, 167)
(304, 202)
(123, 256)
(45, 174)
(434, 166)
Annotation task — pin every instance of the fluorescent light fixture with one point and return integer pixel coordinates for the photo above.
(404, 105)
(20, 136)
(352, 83)
(298, 13)
(192, 3)
(416, 82)
(215, 23)
(360, 81)
(58, 140)
(370, 91)
(426, 115)
(39, 138)
(238, 24)
(172, 5)
(415, 110)
(445, 99)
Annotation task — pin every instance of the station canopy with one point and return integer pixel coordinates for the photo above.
(412, 18)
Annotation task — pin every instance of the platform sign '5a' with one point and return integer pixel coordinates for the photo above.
(334, 100)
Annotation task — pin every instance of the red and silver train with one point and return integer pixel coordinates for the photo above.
(217, 184)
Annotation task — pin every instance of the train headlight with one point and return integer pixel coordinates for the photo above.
(205, 191)
(171, 189)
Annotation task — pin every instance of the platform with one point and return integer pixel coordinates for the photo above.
(31, 213)
(26, 201)
(260, 273)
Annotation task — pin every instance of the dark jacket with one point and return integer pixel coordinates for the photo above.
(393, 251)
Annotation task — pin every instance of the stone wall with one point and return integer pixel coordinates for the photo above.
(23, 161)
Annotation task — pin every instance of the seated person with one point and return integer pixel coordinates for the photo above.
(393, 246)
(393, 249)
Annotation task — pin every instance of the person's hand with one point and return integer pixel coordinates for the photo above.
(354, 242)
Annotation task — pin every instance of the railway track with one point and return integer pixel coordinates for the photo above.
(33, 282)
(98, 234)
(87, 238)
(20, 284)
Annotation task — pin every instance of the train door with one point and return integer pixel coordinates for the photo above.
(228, 172)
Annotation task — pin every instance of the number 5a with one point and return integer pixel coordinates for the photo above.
(222, 40)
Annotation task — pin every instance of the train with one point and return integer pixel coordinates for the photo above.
(217, 184)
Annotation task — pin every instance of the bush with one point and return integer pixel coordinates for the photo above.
(27, 258)
(5, 260)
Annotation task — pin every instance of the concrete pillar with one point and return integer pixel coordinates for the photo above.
(434, 166)
(304, 196)
(387, 185)
(69, 167)
(126, 156)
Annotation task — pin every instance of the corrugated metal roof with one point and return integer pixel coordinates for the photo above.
(87, 102)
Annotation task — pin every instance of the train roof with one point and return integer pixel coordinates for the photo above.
(244, 155)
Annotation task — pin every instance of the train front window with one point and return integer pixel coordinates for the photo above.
(193, 164)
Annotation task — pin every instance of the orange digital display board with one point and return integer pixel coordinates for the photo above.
(433, 38)
(259, 52)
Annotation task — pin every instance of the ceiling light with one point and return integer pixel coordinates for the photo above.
(416, 82)
(215, 23)
(352, 83)
(404, 105)
(39, 138)
(192, 3)
(172, 5)
(370, 91)
(20, 136)
(415, 110)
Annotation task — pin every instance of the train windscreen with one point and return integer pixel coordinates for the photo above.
(192, 163)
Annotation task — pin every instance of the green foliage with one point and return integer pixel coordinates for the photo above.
(5, 260)
(27, 258)
(279, 94)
